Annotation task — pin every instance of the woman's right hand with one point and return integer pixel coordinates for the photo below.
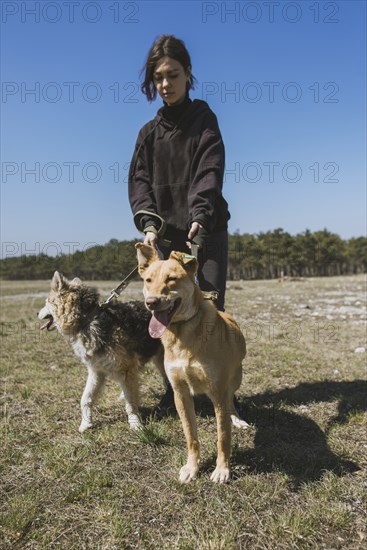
(151, 239)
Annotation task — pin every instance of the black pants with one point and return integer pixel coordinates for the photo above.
(213, 259)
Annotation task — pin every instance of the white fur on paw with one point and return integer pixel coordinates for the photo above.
(238, 423)
(220, 475)
(134, 421)
(187, 474)
(85, 425)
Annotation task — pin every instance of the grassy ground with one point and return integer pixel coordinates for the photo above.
(298, 476)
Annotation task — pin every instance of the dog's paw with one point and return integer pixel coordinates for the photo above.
(188, 473)
(220, 475)
(85, 425)
(134, 421)
(238, 423)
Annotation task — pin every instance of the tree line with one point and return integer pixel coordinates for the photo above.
(266, 255)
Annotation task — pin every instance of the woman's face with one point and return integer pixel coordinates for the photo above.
(170, 80)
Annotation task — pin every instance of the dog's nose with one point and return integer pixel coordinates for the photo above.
(152, 302)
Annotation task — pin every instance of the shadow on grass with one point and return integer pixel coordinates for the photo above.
(351, 397)
(293, 443)
(289, 442)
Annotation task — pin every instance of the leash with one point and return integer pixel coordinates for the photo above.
(207, 294)
(115, 293)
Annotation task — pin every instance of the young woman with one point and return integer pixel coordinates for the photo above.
(176, 173)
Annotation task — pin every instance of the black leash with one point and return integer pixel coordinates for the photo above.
(207, 294)
(115, 293)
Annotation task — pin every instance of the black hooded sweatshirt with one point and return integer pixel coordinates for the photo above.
(177, 170)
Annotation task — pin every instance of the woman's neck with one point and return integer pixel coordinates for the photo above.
(182, 101)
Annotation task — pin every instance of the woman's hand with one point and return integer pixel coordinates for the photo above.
(151, 239)
(195, 226)
(197, 235)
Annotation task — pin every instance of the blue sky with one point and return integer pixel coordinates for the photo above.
(285, 79)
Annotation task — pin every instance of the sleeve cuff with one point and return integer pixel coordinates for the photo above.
(201, 219)
(151, 229)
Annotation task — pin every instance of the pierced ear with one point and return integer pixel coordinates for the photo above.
(146, 255)
(58, 281)
(188, 262)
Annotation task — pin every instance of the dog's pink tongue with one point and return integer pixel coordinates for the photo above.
(158, 323)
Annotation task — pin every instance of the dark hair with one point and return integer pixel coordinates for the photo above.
(165, 45)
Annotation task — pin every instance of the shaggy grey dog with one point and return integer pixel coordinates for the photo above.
(112, 341)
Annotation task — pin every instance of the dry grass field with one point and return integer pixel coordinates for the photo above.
(298, 475)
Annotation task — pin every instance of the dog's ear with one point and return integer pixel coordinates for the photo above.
(76, 281)
(58, 281)
(190, 263)
(146, 255)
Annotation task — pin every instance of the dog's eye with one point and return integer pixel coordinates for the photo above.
(169, 279)
(148, 280)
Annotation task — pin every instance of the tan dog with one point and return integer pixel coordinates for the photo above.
(203, 350)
